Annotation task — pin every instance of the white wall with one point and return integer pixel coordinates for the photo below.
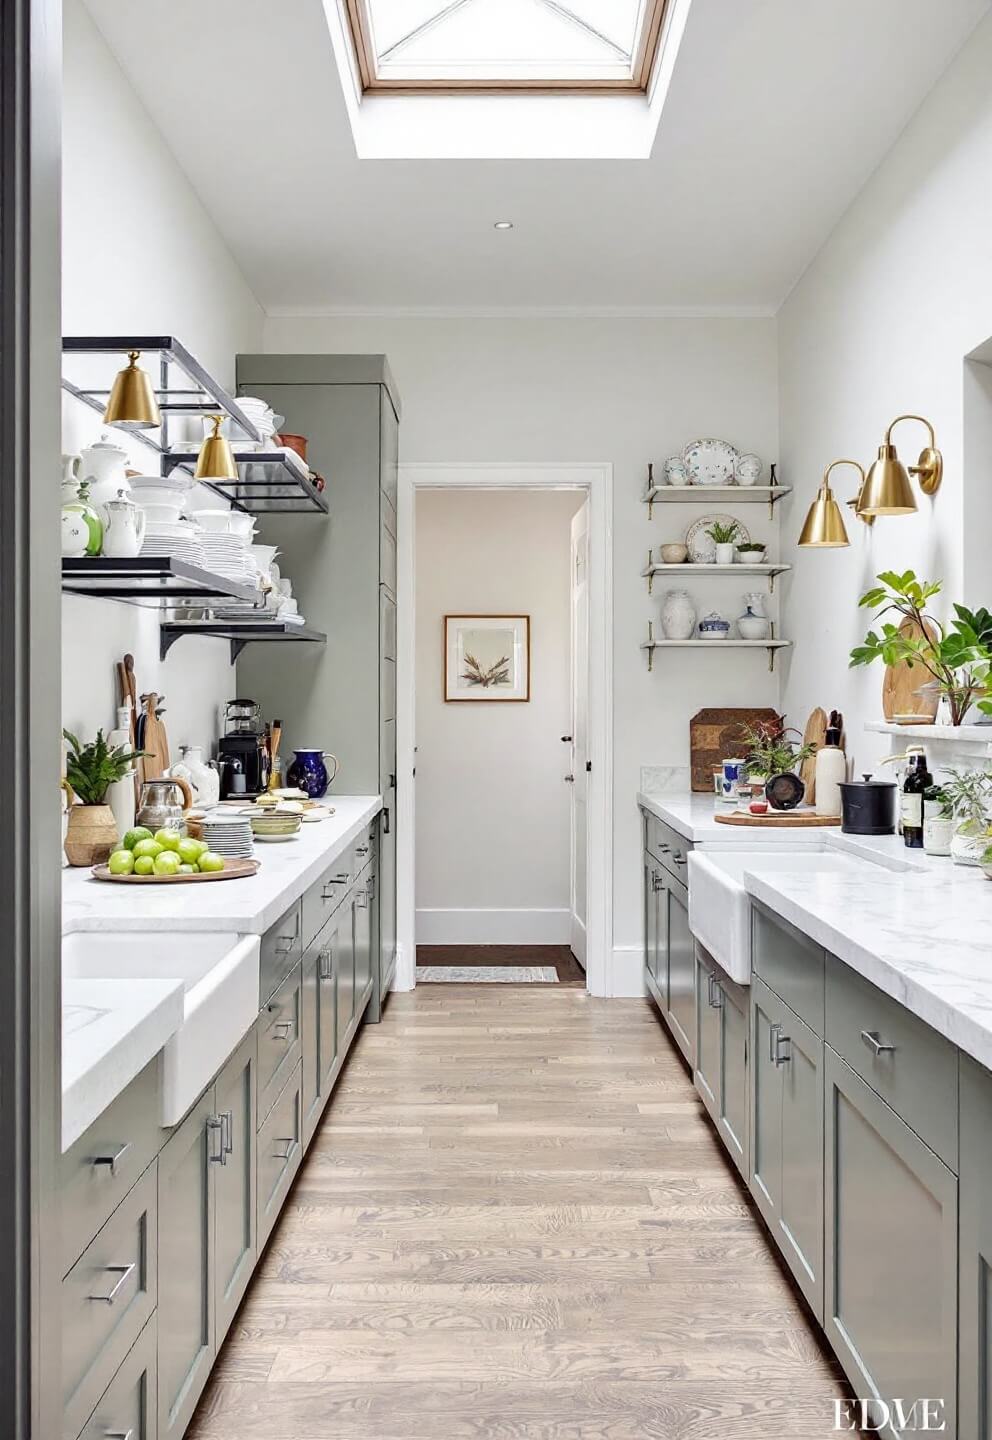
(492, 809)
(881, 324)
(618, 390)
(140, 255)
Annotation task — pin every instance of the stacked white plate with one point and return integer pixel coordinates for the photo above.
(229, 835)
(176, 542)
(228, 555)
(260, 413)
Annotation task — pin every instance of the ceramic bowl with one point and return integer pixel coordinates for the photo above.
(161, 512)
(218, 520)
(674, 554)
(676, 472)
(241, 524)
(753, 627)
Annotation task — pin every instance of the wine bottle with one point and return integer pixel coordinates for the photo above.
(918, 779)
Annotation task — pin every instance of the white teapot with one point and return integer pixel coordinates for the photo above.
(124, 527)
(104, 468)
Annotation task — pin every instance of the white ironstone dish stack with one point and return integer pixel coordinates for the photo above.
(229, 835)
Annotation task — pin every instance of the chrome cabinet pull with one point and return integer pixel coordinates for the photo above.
(118, 1435)
(290, 1144)
(362, 899)
(875, 1045)
(361, 849)
(773, 1033)
(227, 1131)
(677, 858)
(324, 970)
(215, 1126)
(110, 1161)
(285, 1029)
(665, 849)
(125, 1272)
(775, 1042)
(713, 995)
(656, 881)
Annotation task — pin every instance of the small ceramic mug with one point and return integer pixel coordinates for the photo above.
(733, 774)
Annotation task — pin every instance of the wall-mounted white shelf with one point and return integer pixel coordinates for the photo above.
(707, 494)
(654, 568)
(770, 645)
(957, 736)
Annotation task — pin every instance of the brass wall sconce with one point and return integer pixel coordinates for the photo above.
(132, 399)
(824, 528)
(216, 458)
(888, 489)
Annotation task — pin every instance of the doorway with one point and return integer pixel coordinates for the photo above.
(515, 799)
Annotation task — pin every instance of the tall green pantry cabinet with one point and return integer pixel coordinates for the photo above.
(340, 697)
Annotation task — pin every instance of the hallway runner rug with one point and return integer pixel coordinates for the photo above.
(488, 974)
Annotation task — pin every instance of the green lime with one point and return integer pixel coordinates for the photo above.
(168, 839)
(144, 865)
(167, 863)
(133, 836)
(149, 848)
(121, 862)
(209, 861)
(189, 851)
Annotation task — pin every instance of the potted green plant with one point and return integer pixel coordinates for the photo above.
(723, 537)
(968, 793)
(91, 769)
(938, 821)
(751, 552)
(772, 756)
(957, 657)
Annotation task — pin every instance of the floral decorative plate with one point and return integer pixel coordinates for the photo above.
(702, 547)
(710, 462)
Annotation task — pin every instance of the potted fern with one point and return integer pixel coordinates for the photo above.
(968, 795)
(91, 769)
(723, 537)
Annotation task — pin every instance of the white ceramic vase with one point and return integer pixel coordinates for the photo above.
(678, 615)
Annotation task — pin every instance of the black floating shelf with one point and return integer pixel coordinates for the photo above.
(267, 484)
(239, 632)
(151, 581)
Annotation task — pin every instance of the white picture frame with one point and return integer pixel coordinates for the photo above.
(486, 659)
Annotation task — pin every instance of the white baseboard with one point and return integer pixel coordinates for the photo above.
(493, 927)
(627, 978)
(403, 975)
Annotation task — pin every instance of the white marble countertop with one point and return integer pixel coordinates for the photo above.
(244, 907)
(110, 1031)
(920, 929)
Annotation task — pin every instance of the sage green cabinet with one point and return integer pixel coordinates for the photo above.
(681, 968)
(890, 1309)
(362, 903)
(655, 948)
(127, 1408)
(343, 926)
(975, 1255)
(236, 1246)
(721, 1069)
(786, 1135)
(706, 1076)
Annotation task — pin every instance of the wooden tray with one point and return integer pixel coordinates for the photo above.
(233, 870)
(716, 734)
(781, 818)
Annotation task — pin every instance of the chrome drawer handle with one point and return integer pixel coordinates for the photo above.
(215, 1126)
(324, 971)
(665, 849)
(713, 995)
(118, 1435)
(111, 1160)
(328, 893)
(870, 1037)
(361, 849)
(656, 881)
(775, 1042)
(125, 1272)
(227, 1131)
(677, 859)
(290, 1145)
(285, 1028)
(362, 899)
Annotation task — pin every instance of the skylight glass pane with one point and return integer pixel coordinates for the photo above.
(491, 39)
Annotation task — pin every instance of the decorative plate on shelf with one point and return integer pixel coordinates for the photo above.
(710, 462)
(702, 547)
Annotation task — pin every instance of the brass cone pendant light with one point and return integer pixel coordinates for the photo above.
(132, 399)
(824, 528)
(888, 489)
(216, 459)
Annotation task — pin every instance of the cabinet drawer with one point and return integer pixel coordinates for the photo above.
(128, 1404)
(790, 964)
(279, 1040)
(667, 846)
(280, 1150)
(282, 948)
(325, 895)
(100, 1168)
(107, 1298)
(918, 1077)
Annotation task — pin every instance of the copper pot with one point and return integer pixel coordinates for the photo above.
(295, 442)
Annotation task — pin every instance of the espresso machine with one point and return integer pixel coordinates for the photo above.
(242, 751)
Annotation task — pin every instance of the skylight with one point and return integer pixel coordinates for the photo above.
(485, 45)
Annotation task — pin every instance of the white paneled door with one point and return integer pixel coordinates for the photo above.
(579, 729)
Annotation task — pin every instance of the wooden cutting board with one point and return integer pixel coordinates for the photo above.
(814, 734)
(154, 741)
(901, 682)
(795, 818)
(715, 735)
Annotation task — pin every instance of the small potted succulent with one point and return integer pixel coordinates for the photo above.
(968, 793)
(938, 821)
(91, 769)
(723, 537)
(751, 552)
(774, 757)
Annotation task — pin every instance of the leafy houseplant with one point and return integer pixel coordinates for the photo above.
(958, 658)
(91, 769)
(723, 537)
(968, 794)
(775, 758)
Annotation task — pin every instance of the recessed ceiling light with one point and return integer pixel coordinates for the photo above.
(503, 225)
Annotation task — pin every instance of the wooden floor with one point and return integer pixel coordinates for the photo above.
(515, 1223)
(568, 969)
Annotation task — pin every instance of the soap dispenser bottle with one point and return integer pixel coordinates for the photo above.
(831, 768)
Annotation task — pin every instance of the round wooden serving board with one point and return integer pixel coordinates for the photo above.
(233, 870)
(780, 818)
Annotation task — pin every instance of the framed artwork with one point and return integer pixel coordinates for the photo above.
(487, 657)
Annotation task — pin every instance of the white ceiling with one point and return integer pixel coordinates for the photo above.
(778, 112)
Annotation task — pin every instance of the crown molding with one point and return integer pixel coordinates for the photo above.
(520, 312)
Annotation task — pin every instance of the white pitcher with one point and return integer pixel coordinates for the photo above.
(124, 527)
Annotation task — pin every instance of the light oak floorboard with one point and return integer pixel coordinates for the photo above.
(515, 1223)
